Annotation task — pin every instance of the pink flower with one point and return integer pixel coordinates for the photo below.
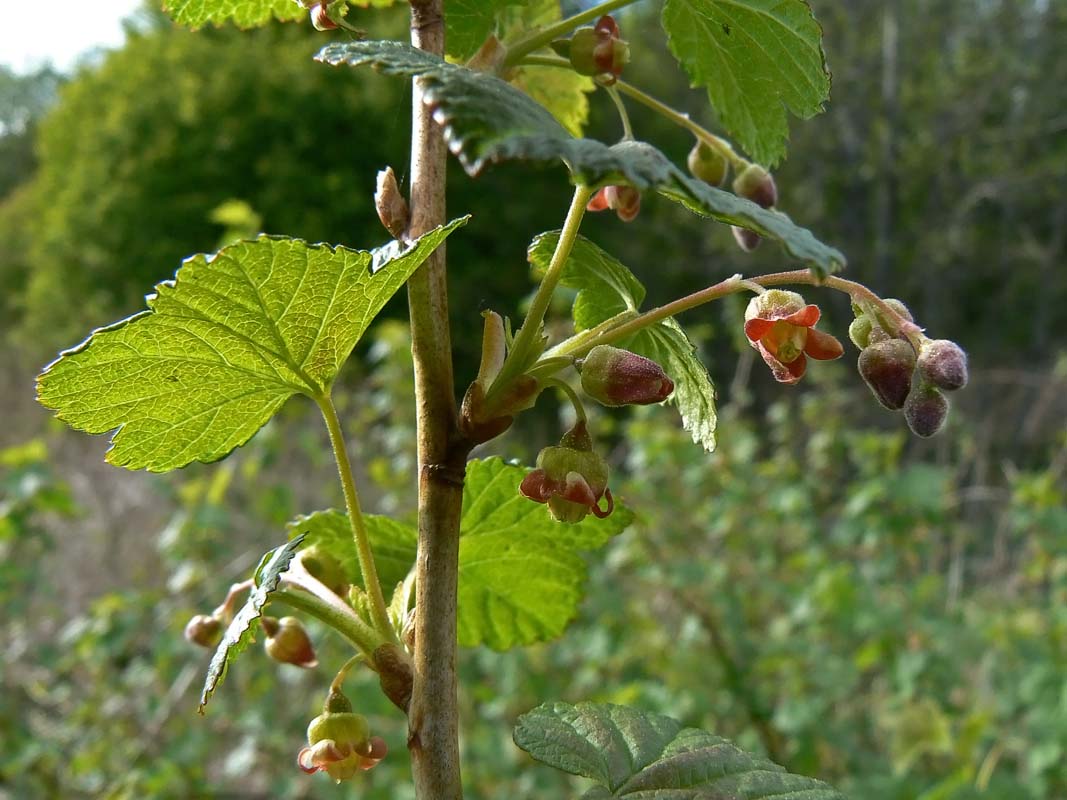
(780, 325)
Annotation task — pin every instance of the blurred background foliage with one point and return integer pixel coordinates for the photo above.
(885, 613)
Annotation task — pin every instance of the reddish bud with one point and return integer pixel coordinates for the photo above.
(944, 364)
(597, 50)
(615, 377)
(708, 164)
(757, 185)
(925, 410)
(887, 368)
(288, 642)
(390, 204)
(747, 240)
(625, 201)
(203, 630)
(320, 18)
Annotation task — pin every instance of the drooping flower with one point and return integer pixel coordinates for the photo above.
(570, 478)
(625, 201)
(339, 742)
(780, 325)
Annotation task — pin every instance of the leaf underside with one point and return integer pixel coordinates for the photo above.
(520, 573)
(606, 287)
(244, 13)
(243, 627)
(653, 757)
(224, 345)
(758, 59)
(486, 120)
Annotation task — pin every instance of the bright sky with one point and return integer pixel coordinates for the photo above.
(33, 32)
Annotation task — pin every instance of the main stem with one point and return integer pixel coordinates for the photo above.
(433, 714)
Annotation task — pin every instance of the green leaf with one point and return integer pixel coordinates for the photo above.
(635, 754)
(758, 60)
(242, 629)
(485, 120)
(393, 543)
(694, 394)
(244, 13)
(605, 286)
(468, 23)
(520, 573)
(224, 346)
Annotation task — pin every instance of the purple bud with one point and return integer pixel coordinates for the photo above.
(615, 377)
(925, 410)
(944, 364)
(887, 368)
(757, 185)
(747, 240)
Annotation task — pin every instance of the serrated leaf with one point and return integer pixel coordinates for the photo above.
(485, 120)
(605, 286)
(758, 59)
(520, 572)
(694, 394)
(468, 23)
(393, 543)
(635, 754)
(242, 628)
(223, 346)
(244, 13)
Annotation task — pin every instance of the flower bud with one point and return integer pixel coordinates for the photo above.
(625, 201)
(325, 568)
(887, 368)
(943, 363)
(747, 240)
(288, 642)
(925, 410)
(320, 18)
(757, 185)
(597, 50)
(860, 331)
(570, 478)
(708, 164)
(390, 204)
(203, 630)
(615, 377)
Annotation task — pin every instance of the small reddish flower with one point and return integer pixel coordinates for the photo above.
(623, 200)
(597, 50)
(339, 742)
(780, 325)
(570, 478)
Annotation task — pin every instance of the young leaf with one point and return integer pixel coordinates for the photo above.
(607, 287)
(223, 346)
(486, 120)
(392, 542)
(758, 60)
(241, 630)
(640, 755)
(694, 394)
(469, 22)
(244, 13)
(520, 573)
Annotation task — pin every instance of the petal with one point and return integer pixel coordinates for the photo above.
(599, 201)
(536, 486)
(577, 490)
(756, 329)
(304, 762)
(805, 318)
(595, 508)
(823, 346)
(782, 373)
(797, 368)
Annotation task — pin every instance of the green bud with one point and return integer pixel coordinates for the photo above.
(325, 568)
(860, 331)
(708, 164)
(204, 630)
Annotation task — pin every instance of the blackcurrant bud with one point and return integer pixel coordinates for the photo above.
(320, 18)
(615, 377)
(944, 364)
(288, 642)
(708, 164)
(390, 204)
(203, 630)
(887, 368)
(925, 409)
(325, 568)
(598, 50)
(757, 185)
(747, 240)
(860, 331)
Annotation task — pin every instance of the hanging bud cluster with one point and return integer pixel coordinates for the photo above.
(339, 742)
(902, 379)
(598, 51)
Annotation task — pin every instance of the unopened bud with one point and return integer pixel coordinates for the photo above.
(944, 364)
(757, 185)
(860, 331)
(615, 377)
(390, 203)
(288, 642)
(887, 368)
(320, 18)
(747, 240)
(203, 630)
(325, 568)
(925, 410)
(597, 50)
(708, 164)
